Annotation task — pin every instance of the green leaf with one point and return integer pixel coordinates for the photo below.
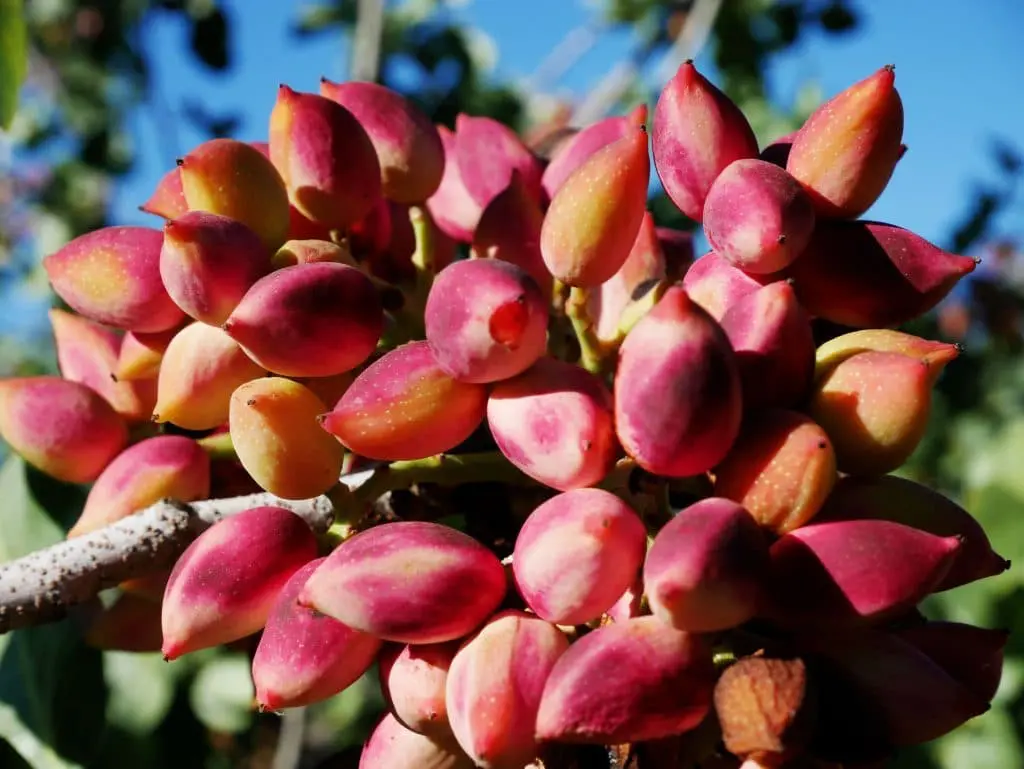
(26, 744)
(13, 58)
(141, 690)
(52, 692)
(988, 742)
(222, 694)
(25, 524)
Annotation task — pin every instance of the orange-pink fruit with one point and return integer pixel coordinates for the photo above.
(679, 358)
(275, 433)
(304, 657)
(488, 153)
(452, 207)
(973, 656)
(781, 469)
(168, 199)
(716, 285)
(707, 567)
(758, 216)
(627, 682)
(311, 250)
(413, 679)
(486, 320)
(622, 299)
(698, 132)
(325, 157)
(314, 319)
(554, 422)
(408, 147)
(909, 697)
(875, 408)
(404, 406)
(576, 554)
(112, 276)
(412, 582)
(494, 687)
(201, 367)
(873, 275)
(237, 180)
(593, 220)
(226, 583)
(854, 572)
(208, 262)
(394, 746)
(140, 354)
(901, 500)
(836, 350)
(88, 352)
(771, 334)
(847, 149)
(509, 230)
(62, 428)
(163, 467)
(575, 150)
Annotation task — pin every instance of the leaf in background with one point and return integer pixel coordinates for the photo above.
(13, 58)
(351, 715)
(222, 694)
(837, 17)
(988, 742)
(141, 690)
(25, 524)
(38, 754)
(52, 693)
(210, 39)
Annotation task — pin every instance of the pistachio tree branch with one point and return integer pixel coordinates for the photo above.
(42, 586)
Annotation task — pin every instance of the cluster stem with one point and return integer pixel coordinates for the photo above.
(410, 317)
(218, 446)
(441, 469)
(593, 354)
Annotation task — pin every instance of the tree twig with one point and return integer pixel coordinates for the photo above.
(619, 79)
(366, 39)
(42, 586)
(290, 740)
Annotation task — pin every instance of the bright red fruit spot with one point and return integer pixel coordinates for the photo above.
(509, 322)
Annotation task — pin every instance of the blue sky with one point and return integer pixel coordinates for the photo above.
(958, 67)
(958, 71)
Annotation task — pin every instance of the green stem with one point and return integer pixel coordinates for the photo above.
(218, 446)
(592, 352)
(423, 255)
(409, 317)
(723, 658)
(441, 469)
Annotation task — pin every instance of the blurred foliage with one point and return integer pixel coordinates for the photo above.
(13, 58)
(64, 705)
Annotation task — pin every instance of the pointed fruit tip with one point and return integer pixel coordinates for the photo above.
(179, 162)
(170, 652)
